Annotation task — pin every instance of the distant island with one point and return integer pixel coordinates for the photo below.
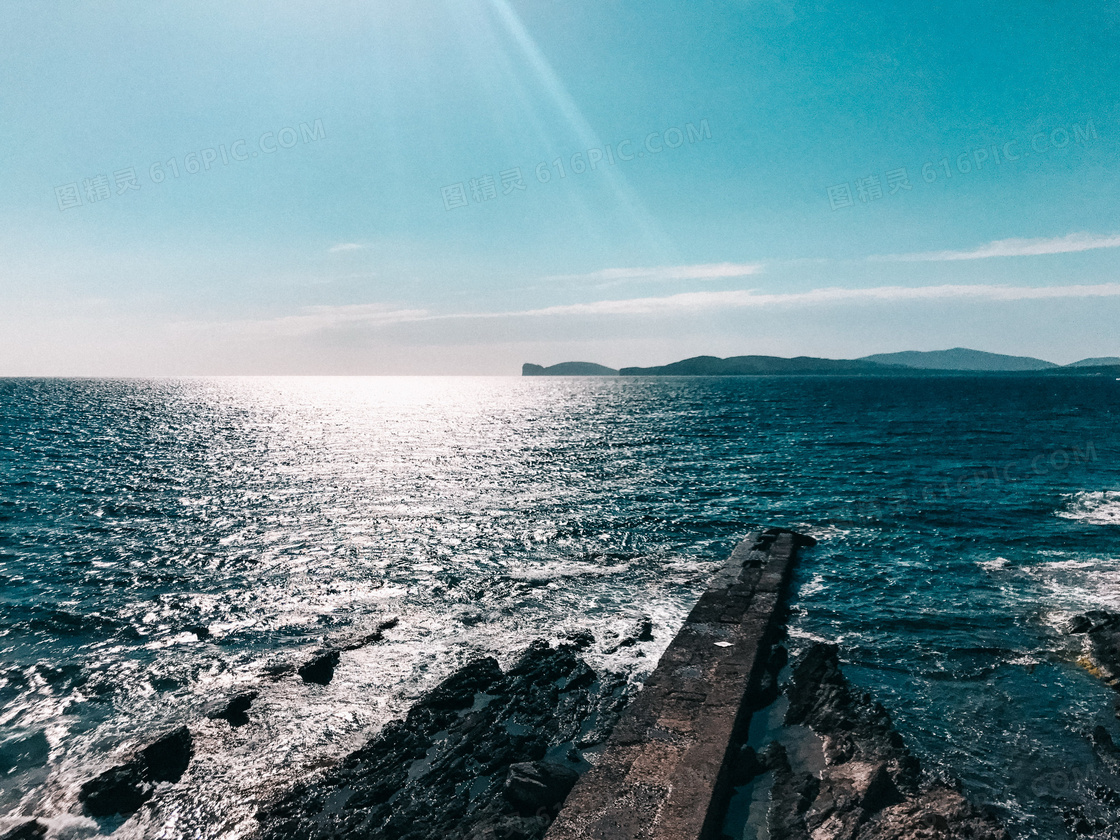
(568, 369)
(958, 360)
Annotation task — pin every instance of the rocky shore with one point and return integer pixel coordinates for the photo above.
(867, 786)
(492, 754)
(487, 753)
(1101, 630)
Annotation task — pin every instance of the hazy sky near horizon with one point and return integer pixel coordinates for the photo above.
(405, 188)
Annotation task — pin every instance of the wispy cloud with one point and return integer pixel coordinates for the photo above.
(316, 319)
(656, 274)
(321, 318)
(695, 301)
(346, 246)
(1072, 243)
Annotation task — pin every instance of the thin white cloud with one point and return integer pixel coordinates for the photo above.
(1072, 243)
(696, 301)
(315, 319)
(658, 274)
(346, 246)
(320, 318)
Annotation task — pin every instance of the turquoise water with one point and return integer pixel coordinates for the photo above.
(163, 542)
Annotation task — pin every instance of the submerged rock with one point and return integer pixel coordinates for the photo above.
(854, 727)
(476, 757)
(1103, 630)
(119, 790)
(234, 709)
(124, 788)
(533, 785)
(27, 830)
(166, 759)
(320, 669)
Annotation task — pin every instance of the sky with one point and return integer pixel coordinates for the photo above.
(461, 186)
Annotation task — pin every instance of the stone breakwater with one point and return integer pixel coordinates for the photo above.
(666, 770)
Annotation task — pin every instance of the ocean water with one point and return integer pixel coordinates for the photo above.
(164, 542)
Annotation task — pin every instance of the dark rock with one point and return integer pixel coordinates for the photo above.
(765, 693)
(234, 709)
(124, 788)
(854, 726)
(580, 639)
(1092, 621)
(513, 828)
(166, 759)
(606, 708)
(1103, 738)
(369, 638)
(119, 790)
(790, 796)
(870, 786)
(1103, 630)
(849, 793)
(27, 830)
(459, 689)
(277, 670)
(200, 630)
(320, 670)
(641, 631)
(779, 656)
(531, 786)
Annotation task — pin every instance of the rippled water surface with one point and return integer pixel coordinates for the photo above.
(164, 542)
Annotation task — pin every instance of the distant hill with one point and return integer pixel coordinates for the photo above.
(956, 362)
(758, 366)
(568, 369)
(1098, 362)
(959, 358)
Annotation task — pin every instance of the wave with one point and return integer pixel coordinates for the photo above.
(1098, 507)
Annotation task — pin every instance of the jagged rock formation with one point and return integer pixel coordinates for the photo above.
(486, 753)
(124, 788)
(234, 709)
(870, 787)
(1102, 629)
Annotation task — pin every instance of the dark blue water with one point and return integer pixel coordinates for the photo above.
(163, 542)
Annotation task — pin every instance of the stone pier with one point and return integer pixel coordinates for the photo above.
(664, 773)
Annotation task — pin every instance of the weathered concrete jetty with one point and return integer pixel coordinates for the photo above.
(665, 773)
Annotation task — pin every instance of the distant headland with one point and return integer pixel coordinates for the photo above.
(958, 360)
(568, 369)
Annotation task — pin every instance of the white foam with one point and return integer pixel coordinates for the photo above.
(993, 565)
(1098, 507)
(814, 586)
(1077, 584)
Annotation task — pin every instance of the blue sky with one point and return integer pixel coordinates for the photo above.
(293, 188)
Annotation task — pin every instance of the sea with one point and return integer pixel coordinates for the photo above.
(167, 542)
